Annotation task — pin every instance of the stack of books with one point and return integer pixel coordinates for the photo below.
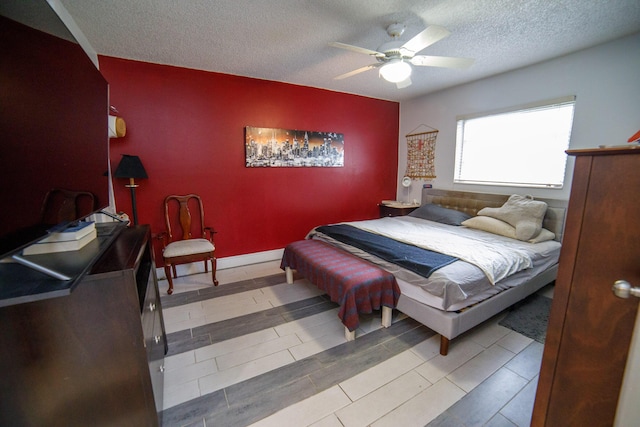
(71, 238)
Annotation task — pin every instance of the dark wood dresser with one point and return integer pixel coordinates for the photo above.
(590, 329)
(92, 357)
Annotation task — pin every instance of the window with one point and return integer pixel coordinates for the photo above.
(524, 147)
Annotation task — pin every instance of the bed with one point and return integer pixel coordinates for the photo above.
(468, 286)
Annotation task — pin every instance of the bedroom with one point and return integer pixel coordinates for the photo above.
(186, 126)
(167, 107)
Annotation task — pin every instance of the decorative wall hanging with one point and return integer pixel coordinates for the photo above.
(421, 151)
(269, 147)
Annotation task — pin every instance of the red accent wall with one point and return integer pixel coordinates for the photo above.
(187, 127)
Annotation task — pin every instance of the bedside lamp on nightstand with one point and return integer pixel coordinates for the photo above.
(398, 208)
(406, 183)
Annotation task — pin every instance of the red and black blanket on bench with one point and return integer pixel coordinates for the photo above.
(357, 285)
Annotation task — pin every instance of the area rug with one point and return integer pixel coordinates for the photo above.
(530, 317)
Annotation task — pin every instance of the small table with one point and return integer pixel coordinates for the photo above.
(396, 209)
(357, 285)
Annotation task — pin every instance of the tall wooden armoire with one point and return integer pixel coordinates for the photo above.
(590, 328)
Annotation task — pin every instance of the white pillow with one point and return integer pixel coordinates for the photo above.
(523, 213)
(492, 225)
(496, 226)
(543, 236)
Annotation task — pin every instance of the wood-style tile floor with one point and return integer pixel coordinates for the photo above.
(256, 351)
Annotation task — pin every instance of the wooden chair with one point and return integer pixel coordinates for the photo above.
(61, 205)
(195, 242)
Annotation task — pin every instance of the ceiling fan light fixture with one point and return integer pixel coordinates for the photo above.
(395, 71)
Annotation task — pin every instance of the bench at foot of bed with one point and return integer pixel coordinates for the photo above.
(355, 284)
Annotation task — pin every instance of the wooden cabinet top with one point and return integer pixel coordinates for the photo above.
(20, 283)
(604, 151)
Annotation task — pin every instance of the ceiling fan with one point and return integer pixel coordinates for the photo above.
(395, 58)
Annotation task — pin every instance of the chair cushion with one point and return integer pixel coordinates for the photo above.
(188, 247)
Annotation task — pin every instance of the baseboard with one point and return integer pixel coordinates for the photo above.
(227, 262)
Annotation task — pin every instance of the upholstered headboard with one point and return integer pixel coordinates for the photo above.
(471, 203)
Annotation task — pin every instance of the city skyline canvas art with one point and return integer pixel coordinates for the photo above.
(272, 147)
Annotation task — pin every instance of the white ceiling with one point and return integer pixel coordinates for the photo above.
(287, 40)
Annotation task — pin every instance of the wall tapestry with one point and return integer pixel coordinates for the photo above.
(269, 147)
(421, 150)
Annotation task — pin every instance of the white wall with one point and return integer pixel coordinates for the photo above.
(605, 80)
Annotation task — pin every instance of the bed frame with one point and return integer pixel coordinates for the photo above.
(451, 324)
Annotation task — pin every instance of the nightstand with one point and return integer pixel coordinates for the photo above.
(396, 209)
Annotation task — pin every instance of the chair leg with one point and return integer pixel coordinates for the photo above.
(175, 274)
(214, 265)
(167, 272)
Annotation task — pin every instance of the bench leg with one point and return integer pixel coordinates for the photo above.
(349, 335)
(289, 274)
(386, 316)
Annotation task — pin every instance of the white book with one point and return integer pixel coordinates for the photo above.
(74, 232)
(62, 246)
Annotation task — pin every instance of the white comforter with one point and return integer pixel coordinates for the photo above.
(460, 283)
(496, 257)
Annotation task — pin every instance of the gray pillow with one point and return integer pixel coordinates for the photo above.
(439, 214)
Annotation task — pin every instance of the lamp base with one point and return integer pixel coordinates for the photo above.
(132, 186)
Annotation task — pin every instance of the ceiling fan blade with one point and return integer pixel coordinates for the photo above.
(356, 49)
(425, 38)
(358, 71)
(441, 61)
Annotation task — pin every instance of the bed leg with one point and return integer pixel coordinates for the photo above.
(289, 274)
(444, 345)
(349, 335)
(386, 316)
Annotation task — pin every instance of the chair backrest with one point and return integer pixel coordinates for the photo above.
(178, 214)
(61, 205)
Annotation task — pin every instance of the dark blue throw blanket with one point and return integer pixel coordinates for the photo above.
(419, 260)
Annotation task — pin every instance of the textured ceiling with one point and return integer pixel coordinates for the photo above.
(287, 40)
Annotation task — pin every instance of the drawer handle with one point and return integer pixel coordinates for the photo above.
(152, 306)
(157, 339)
(161, 368)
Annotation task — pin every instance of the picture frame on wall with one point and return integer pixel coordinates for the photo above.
(272, 147)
